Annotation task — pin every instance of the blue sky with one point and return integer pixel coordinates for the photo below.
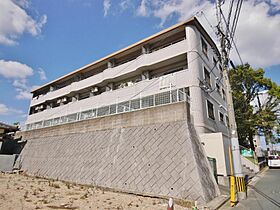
(42, 40)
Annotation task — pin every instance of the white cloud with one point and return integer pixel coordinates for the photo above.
(20, 84)
(23, 94)
(18, 73)
(142, 9)
(125, 4)
(14, 21)
(165, 9)
(13, 69)
(42, 74)
(23, 90)
(106, 6)
(257, 35)
(4, 110)
(22, 3)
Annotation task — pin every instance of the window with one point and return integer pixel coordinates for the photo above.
(221, 70)
(210, 109)
(218, 88)
(227, 121)
(204, 47)
(221, 116)
(207, 77)
(223, 94)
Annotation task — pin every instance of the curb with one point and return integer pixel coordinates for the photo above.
(256, 178)
(217, 202)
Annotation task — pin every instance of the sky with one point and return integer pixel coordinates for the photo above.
(43, 40)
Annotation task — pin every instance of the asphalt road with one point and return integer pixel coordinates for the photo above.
(264, 193)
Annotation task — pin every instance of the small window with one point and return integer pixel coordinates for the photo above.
(187, 91)
(207, 77)
(223, 94)
(221, 116)
(204, 47)
(218, 88)
(227, 121)
(221, 70)
(210, 109)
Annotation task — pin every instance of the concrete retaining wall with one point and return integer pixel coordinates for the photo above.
(247, 163)
(153, 151)
(7, 162)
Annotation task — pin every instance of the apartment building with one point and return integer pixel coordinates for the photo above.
(138, 120)
(179, 63)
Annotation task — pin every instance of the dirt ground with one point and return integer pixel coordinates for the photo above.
(18, 191)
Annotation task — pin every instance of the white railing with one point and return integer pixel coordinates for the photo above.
(152, 58)
(168, 97)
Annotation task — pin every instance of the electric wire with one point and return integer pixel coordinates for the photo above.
(235, 46)
(229, 15)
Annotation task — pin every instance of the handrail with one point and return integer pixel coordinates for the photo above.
(167, 97)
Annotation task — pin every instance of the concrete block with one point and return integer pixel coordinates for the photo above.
(7, 162)
(155, 154)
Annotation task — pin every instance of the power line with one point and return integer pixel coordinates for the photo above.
(232, 41)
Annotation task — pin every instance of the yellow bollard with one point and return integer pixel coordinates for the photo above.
(232, 191)
(232, 181)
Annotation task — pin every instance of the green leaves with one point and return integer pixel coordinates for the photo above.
(256, 102)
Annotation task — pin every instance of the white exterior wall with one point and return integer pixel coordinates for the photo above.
(213, 133)
(197, 61)
(190, 77)
(157, 85)
(133, 66)
(216, 146)
(196, 105)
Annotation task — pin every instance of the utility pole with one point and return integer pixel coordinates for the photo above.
(225, 35)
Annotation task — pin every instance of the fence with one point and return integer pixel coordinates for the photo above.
(168, 97)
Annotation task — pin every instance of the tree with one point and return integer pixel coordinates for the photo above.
(253, 113)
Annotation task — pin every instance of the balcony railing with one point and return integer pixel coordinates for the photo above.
(167, 52)
(168, 97)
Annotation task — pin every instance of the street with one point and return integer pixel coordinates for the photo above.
(264, 194)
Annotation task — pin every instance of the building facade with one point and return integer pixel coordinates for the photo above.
(138, 120)
(180, 63)
(182, 60)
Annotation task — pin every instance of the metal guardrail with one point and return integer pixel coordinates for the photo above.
(168, 97)
(254, 156)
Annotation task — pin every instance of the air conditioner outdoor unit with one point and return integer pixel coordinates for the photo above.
(94, 89)
(129, 83)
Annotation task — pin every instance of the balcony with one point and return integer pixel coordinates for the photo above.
(121, 70)
(141, 89)
(167, 97)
